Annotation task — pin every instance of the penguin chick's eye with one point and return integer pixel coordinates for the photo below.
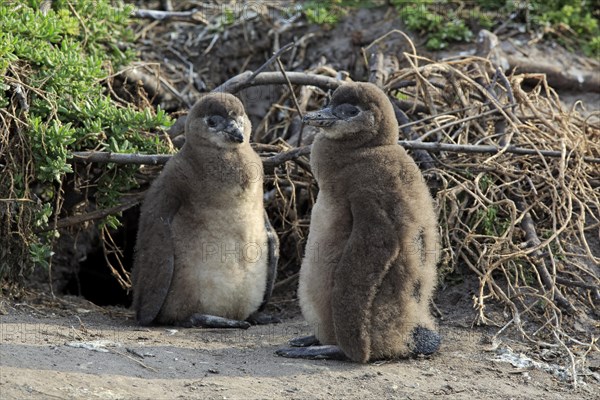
(213, 121)
(345, 111)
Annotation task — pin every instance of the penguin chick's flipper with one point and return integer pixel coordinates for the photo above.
(260, 318)
(373, 238)
(304, 341)
(154, 262)
(328, 352)
(213, 321)
(272, 260)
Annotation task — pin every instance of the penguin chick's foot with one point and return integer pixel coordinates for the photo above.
(328, 352)
(304, 341)
(259, 318)
(212, 321)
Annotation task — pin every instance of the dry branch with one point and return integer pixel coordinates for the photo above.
(534, 242)
(436, 147)
(241, 81)
(118, 158)
(286, 156)
(184, 16)
(74, 220)
(158, 159)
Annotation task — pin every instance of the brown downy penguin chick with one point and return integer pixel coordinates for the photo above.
(369, 268)
(206, 254)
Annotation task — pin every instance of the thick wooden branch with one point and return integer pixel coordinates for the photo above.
(156, 159)
(184, 16)
(242, 81)
(490, 149)
(118, 158)
(286, 156)
(132, 201)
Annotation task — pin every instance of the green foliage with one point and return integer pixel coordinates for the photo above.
(447, 21)
(592, 48)
(228, 17)
(322, 12)
(329, 12)
(442, 26)
(60, 61)
(40, 254)
(571, 17)
(489, 223)
(49, 143)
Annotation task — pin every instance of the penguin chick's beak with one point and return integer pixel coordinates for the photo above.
(234, 132)
(321, 118)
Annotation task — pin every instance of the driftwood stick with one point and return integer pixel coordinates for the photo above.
(241, 81)
(468, 148)
(118, 158)
(156, 159)
(569, 282)
(286, 156)
(158, 15)
(132, 201)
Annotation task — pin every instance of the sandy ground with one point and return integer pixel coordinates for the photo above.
(86, 352)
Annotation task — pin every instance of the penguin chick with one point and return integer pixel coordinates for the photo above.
(369, 269)
(206, 254)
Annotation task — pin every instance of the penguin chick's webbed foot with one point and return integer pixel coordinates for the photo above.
(308, 347)
(304, 341)
(327, 352)
(212, 321)
(426, 342)
(259, 318)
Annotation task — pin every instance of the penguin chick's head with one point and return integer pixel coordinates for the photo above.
(359, 112)
(220, 119)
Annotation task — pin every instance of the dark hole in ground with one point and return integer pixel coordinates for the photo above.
(94, 280)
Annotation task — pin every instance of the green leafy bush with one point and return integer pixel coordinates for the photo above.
(55, 70)
(329, 12)
(441, 27)
(446, 21)
(568, 18)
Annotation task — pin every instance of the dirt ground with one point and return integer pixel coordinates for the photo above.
(69, 348)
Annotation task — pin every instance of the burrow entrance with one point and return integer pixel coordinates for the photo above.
(92, 277)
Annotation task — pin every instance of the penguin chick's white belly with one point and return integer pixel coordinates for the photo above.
(221, 266)
(329, 231)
